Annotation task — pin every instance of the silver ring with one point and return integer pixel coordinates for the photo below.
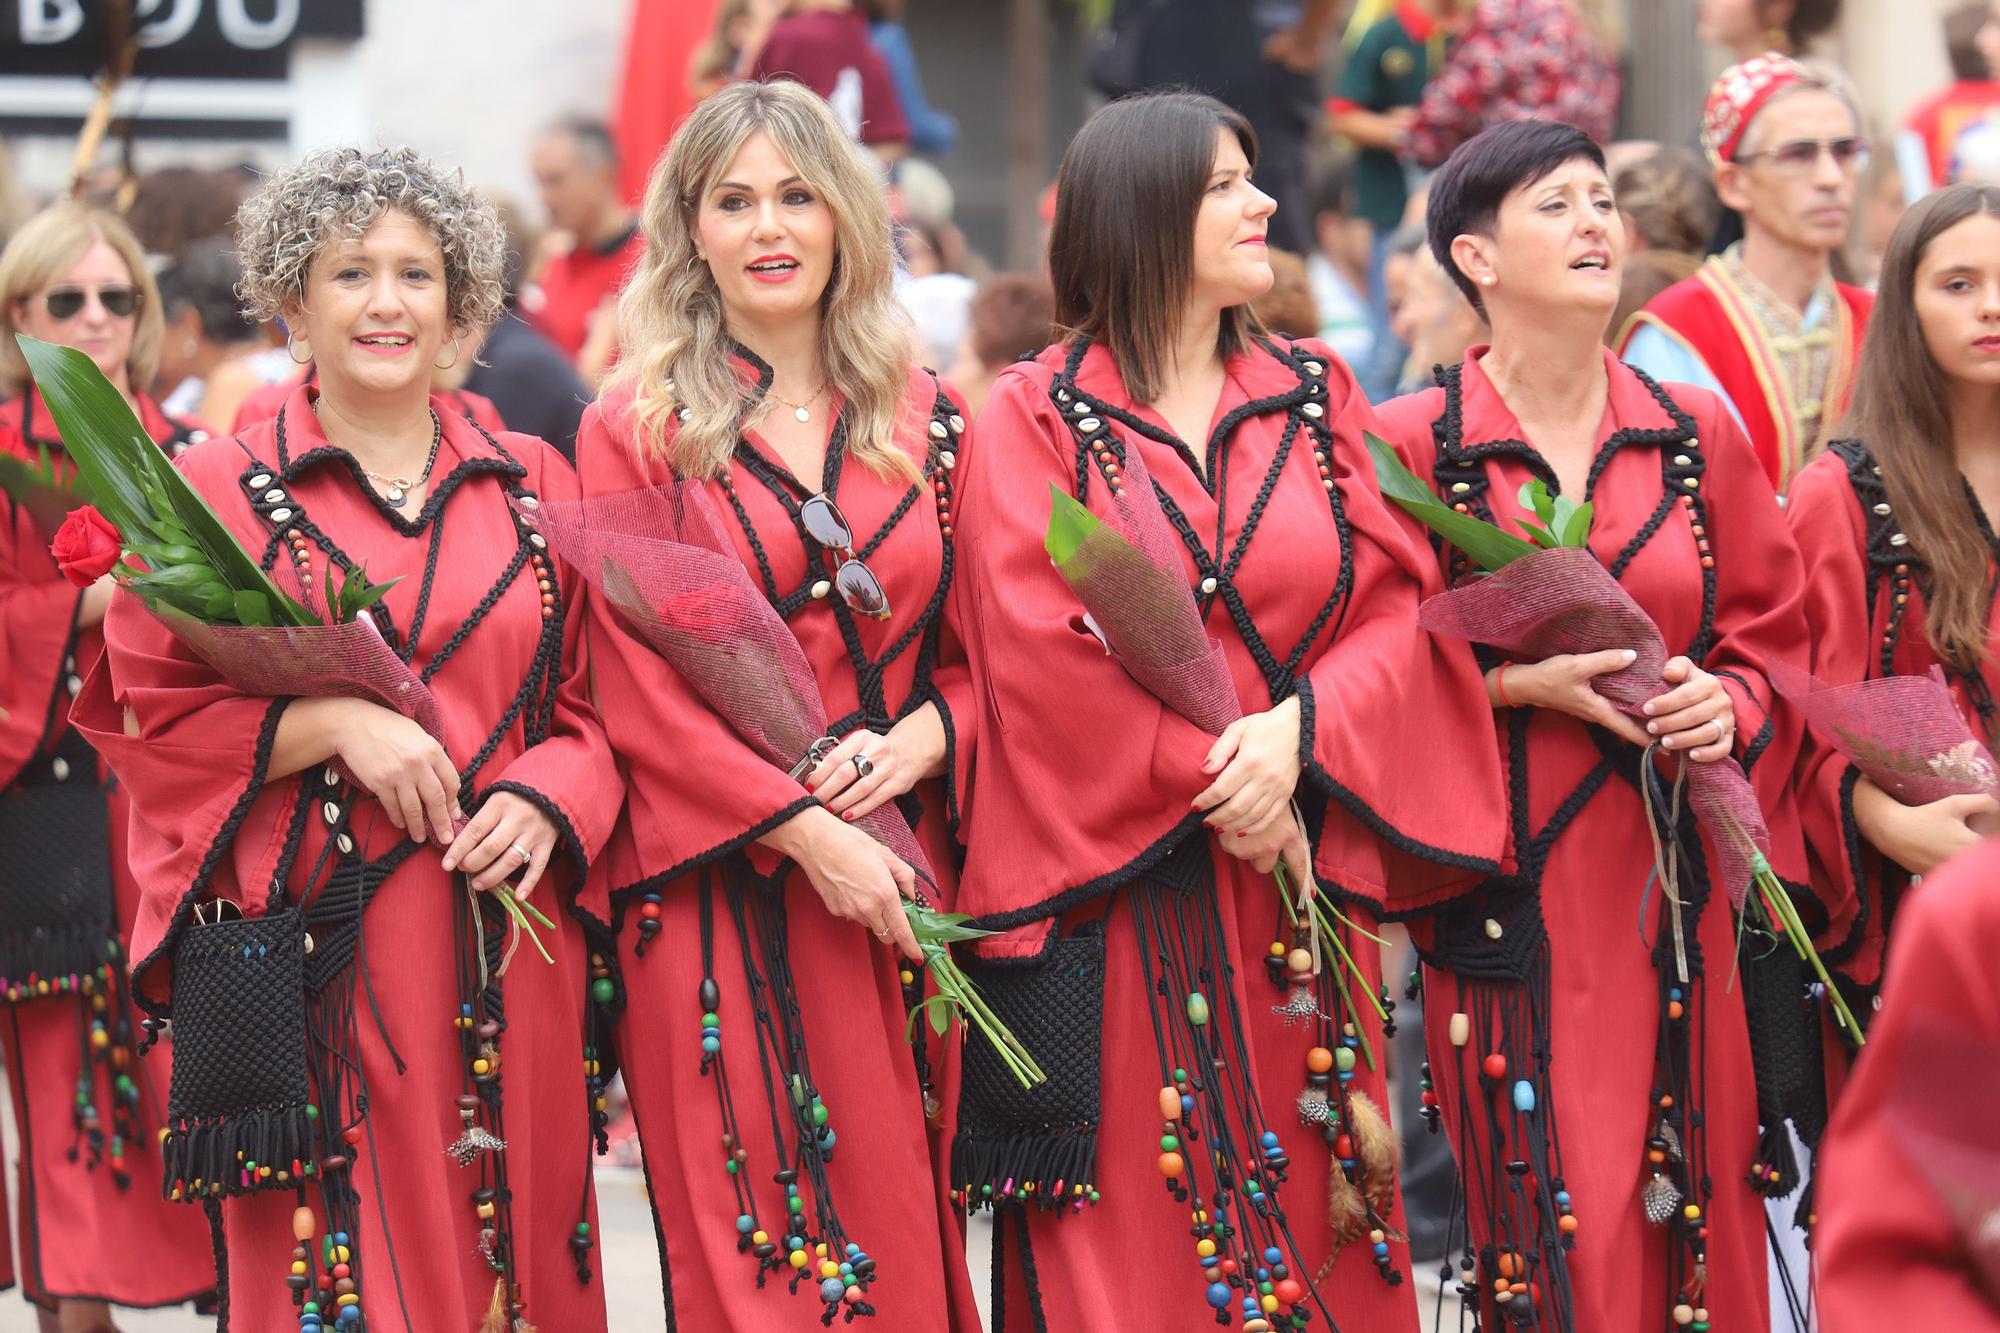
(881, 934)
(863, 765)
(1721, 732)
(522, 852)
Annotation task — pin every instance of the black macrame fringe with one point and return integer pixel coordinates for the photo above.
(58, 955)
(1775, 1173)
(1044, 1168)
(214, 1155)
(1508, 1140)
(1230, 1163)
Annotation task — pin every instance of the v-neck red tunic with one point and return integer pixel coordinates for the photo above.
(206, 820)
(699, 798)
(1083, 783)
(1579, 831)
(1865, 593)
(84, 1234)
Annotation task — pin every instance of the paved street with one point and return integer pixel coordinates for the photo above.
(627, 1254)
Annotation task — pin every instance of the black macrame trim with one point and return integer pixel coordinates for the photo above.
(1055, 905)
(653, 883)
(950, 779)
(1856, 851)
(1760, 739)
(567, 840)
(1378, 825)
(225, 838)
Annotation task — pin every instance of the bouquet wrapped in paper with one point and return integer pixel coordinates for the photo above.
(1126, 570)
(161, 540)
(1550, 596)
(1905, 733)
(662, 558)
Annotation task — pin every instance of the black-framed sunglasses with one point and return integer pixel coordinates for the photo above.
(856, 583)
(65, 303)
(1802, 155)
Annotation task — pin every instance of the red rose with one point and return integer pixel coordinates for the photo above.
(718, 616)
(86, 547)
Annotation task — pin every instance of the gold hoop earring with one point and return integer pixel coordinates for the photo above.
(454, 358)
(293, 352)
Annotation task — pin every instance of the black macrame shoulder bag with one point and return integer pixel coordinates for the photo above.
(1039, 1144)
(58, 918)
(239, 1081)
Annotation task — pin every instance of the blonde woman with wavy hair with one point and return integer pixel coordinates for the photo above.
(765, 359)
(76, 277)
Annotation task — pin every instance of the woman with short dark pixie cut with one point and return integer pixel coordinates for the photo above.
(1614, 1194)
(1200, 1066)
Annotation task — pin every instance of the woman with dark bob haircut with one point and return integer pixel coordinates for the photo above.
(1206, 1058)
(1616, 1195)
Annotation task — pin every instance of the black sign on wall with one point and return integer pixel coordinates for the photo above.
(178, 39)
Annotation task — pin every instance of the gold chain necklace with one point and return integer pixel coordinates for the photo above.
(799, 410)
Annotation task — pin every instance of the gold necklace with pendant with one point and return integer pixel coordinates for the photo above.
(801, 410)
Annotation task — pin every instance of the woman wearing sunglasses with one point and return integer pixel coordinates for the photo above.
(1211, 1063)
(93, 1226)
(766, 362)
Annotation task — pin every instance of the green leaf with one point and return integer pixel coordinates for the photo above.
(220, 603)
(252, 608)
(1576, 532)
(1535, 497)
(134, 484)
(940, 1013)
(1070, 526)
(1538, 534)
(1485, 545)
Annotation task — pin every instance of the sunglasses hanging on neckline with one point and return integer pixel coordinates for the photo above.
(856, 583)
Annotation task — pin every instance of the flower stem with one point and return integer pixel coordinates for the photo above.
(1783, 917)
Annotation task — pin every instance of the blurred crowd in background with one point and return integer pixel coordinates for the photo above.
(1353, 100)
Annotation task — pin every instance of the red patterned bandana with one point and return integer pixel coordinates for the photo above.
(1743, 90)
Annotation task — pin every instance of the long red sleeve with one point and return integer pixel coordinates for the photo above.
(695, 789)
(1888, 1241)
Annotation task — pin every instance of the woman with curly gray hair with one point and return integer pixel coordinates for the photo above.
(367, 1209)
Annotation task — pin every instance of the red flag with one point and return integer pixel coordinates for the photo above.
(653, 94)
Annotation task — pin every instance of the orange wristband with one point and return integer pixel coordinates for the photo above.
(1500, 684)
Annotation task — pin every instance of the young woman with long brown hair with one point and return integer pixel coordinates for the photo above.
(1896, 523)
(1208, 1145)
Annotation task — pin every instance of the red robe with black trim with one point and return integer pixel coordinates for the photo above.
(84, 1235)
(1860, 633)
(1906, 1212)
(1592, 878)
(264, 402)
(1083, 779)
(207, 822)
(1706, 314)
(699, 798)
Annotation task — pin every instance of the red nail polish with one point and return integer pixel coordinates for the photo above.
(1242, 835)
(847, 815)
